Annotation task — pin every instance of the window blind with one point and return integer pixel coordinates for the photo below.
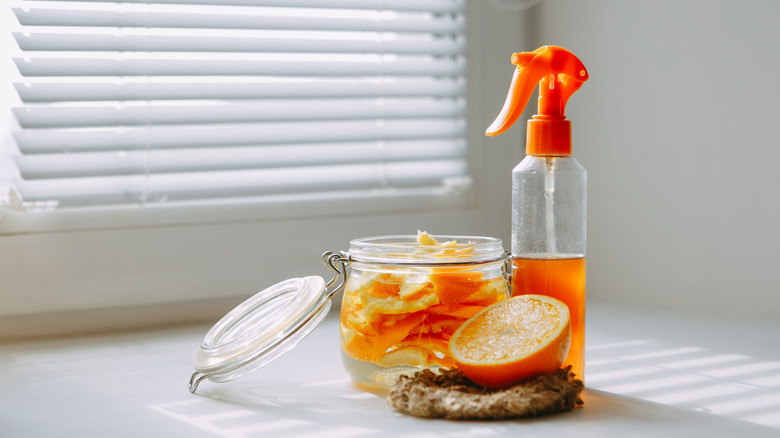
(166, 101)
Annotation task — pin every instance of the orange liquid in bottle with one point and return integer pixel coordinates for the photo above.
(564, 279)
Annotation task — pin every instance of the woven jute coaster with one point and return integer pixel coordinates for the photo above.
(451, 395)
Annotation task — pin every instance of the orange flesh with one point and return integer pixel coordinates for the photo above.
(513, 340)
(508, 331)
(563, 279)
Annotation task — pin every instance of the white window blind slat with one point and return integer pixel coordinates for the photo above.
(434, 6)
(43, 166)
(150, 64)
(76, 89)
(50, 140)
(143, 103)
(205, 112)
(172, 187)
(225, 17)
(206, 40)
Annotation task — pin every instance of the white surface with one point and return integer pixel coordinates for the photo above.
(648, 375)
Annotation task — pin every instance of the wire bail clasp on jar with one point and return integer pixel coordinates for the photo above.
(508, 267)
(338, 264)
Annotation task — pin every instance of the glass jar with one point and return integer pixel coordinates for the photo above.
(403, 300)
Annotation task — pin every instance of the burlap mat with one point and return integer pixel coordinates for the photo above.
(452, 396)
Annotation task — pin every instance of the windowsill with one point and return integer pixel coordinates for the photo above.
(648, 374)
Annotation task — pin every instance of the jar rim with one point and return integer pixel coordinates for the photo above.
(405, 249)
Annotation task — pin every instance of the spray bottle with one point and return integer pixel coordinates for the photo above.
(548, 188)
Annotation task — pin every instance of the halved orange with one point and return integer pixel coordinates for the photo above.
(513, 340)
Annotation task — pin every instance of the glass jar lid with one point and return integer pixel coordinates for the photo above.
(261, 329)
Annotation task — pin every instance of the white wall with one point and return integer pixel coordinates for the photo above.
(678, 128)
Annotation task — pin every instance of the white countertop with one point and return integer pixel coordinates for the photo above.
(648, 374)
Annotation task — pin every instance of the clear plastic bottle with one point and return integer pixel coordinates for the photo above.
(549, 238)
(548, 188)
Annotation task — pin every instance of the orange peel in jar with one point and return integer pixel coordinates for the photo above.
(374, 308)
(452, 288)
(410, 356)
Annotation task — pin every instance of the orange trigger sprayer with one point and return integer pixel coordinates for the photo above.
(559, 74)
(548, 188)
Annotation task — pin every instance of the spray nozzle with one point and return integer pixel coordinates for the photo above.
(559, 74)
